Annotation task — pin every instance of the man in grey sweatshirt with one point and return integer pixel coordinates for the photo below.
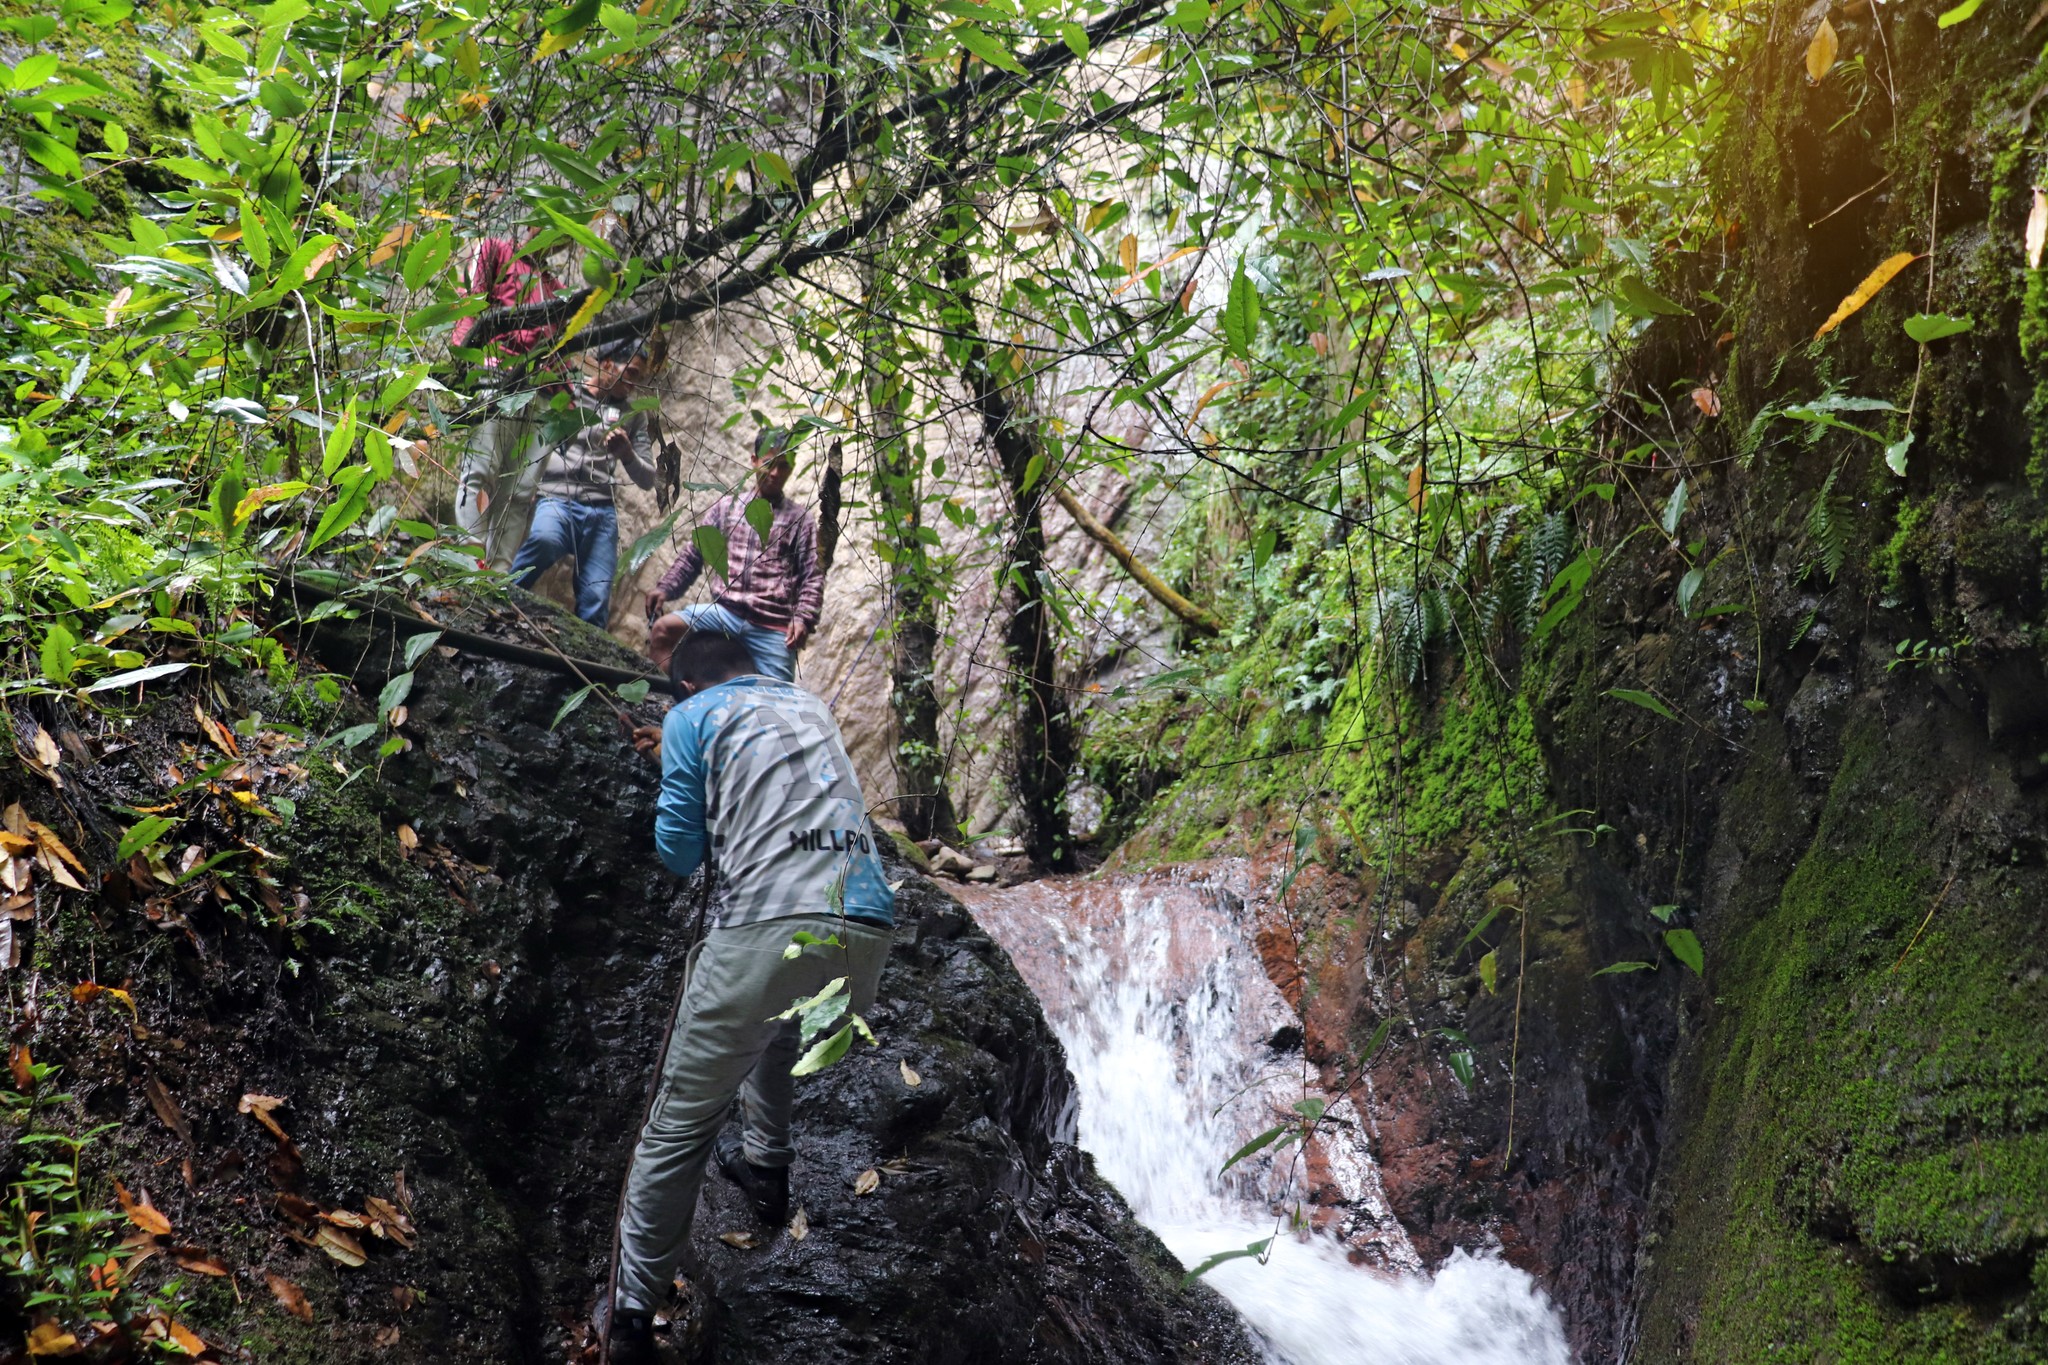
(574, 515)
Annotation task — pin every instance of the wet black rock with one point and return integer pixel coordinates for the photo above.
(472, 991)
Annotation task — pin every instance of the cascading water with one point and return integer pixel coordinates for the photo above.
(1168, 1018)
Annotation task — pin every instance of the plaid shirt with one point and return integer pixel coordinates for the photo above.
(769, 586)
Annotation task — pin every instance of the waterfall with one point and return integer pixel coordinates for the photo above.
(1168, 1020)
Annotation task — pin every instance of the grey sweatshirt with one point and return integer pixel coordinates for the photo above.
(579, 468)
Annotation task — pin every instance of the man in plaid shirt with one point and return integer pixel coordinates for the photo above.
(771, 594)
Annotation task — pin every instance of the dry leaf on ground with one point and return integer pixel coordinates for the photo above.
(47, 752)
(340, 1246)
(18, 1065)
(289, 1295)
(258, 1107)
(867, 1181)
(799, 1225)
(141, 1213)
(910, 1077)
(745, 1241)
(384, 1338)
(201, 1262)
(1866, 291)
(50, 1339)
(166, 1107)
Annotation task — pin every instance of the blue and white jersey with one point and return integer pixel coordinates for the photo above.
(757, 770)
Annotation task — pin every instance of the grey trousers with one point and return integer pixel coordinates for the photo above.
(494, 486)
(726, 1042)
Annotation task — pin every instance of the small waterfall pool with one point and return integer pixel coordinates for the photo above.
(1168, 1020)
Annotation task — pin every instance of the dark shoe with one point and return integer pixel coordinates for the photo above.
(632, 1338)
(766, 1187)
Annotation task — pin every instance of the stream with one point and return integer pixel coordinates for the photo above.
(1182, 1051)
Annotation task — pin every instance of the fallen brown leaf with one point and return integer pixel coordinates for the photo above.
(50, 1339)
(18, 1065)
(799, 1225)
(14, 819)
(11, 843)
(218, 733)
(745, 1241)
(47, 751)
(407, 839)
(342, 1218)
(391, 1222)
(17, 874)
(166, 1106)
(187, 1340)
(200, 1262)
(405, 1296)
(867, 1181)
(258, 1107)
(384, 1338)
(292, 1206)
(910, 1077)
(340, 1246)
(141, 1213)
(1707, 401)
(289, 1295)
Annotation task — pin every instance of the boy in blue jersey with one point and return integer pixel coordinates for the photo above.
(754, 772)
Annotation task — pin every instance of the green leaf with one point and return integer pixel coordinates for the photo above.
(621, 24)
(1895, 454)
(1644, 700)
(255, 237)
(1674, 507)
(1374, 1043)
(633, 693)
(580, 234)
(1950, 18)
(57, 658)
(35, 70)
(1663, 913)
(1263, 546)
(395, 692)
(426, 257)
(416, 648)
(575, 701)
(1926, 327)
(1241, 313)
(824, 1052)
(1685, 946)
(137, 675)
(1258, 1248)
(1489, 971)
(1461, 1067)
(710, 543)
(1257, 1145)
(1076, 39)
(141, 835)
(352, 487)
(1614, 968)
(339, 442)
(983, 45)
(761, 516)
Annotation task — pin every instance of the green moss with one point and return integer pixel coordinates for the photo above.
(1872, 1160)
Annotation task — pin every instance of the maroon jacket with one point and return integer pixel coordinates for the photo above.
(769, 586)
(499, 275)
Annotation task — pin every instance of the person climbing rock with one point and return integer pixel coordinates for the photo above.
(494, 483)
(770, 595)
(754, 778)
(575, 515)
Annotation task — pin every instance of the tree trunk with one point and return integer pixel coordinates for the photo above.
(1044, 735)
(923, 804)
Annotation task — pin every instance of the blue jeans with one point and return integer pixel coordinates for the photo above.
(589, 532)
(769, 647)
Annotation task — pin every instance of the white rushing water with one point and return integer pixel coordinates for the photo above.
(1164, 1009)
